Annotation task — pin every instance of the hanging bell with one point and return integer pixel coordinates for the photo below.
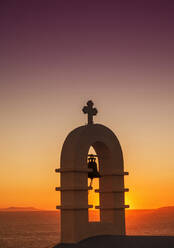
(92, 165)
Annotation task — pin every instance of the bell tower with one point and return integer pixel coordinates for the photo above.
(74, 173)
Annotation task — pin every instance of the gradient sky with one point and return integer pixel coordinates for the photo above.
(54, 56)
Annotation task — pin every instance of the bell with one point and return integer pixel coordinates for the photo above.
(92, 165)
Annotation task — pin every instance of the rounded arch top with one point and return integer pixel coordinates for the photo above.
(104, 141)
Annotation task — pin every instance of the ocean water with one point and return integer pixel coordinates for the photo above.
(29, 229)
(41, 229)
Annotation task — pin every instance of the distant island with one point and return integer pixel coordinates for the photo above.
(19, 209)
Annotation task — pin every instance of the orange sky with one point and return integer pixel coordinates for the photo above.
(31, 154)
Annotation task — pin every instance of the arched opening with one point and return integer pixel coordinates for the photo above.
(93, 197)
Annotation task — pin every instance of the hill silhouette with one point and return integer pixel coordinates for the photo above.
(19, 209)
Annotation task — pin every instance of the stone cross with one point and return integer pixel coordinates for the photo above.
(90, 111)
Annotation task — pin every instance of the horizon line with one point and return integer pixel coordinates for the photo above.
(15, 209)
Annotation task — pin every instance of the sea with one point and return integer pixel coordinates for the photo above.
(36, 229)
(41, 229)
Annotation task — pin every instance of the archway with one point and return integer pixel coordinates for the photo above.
(74, 183)
(93, 197)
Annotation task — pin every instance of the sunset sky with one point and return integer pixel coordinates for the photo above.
(56, 55)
